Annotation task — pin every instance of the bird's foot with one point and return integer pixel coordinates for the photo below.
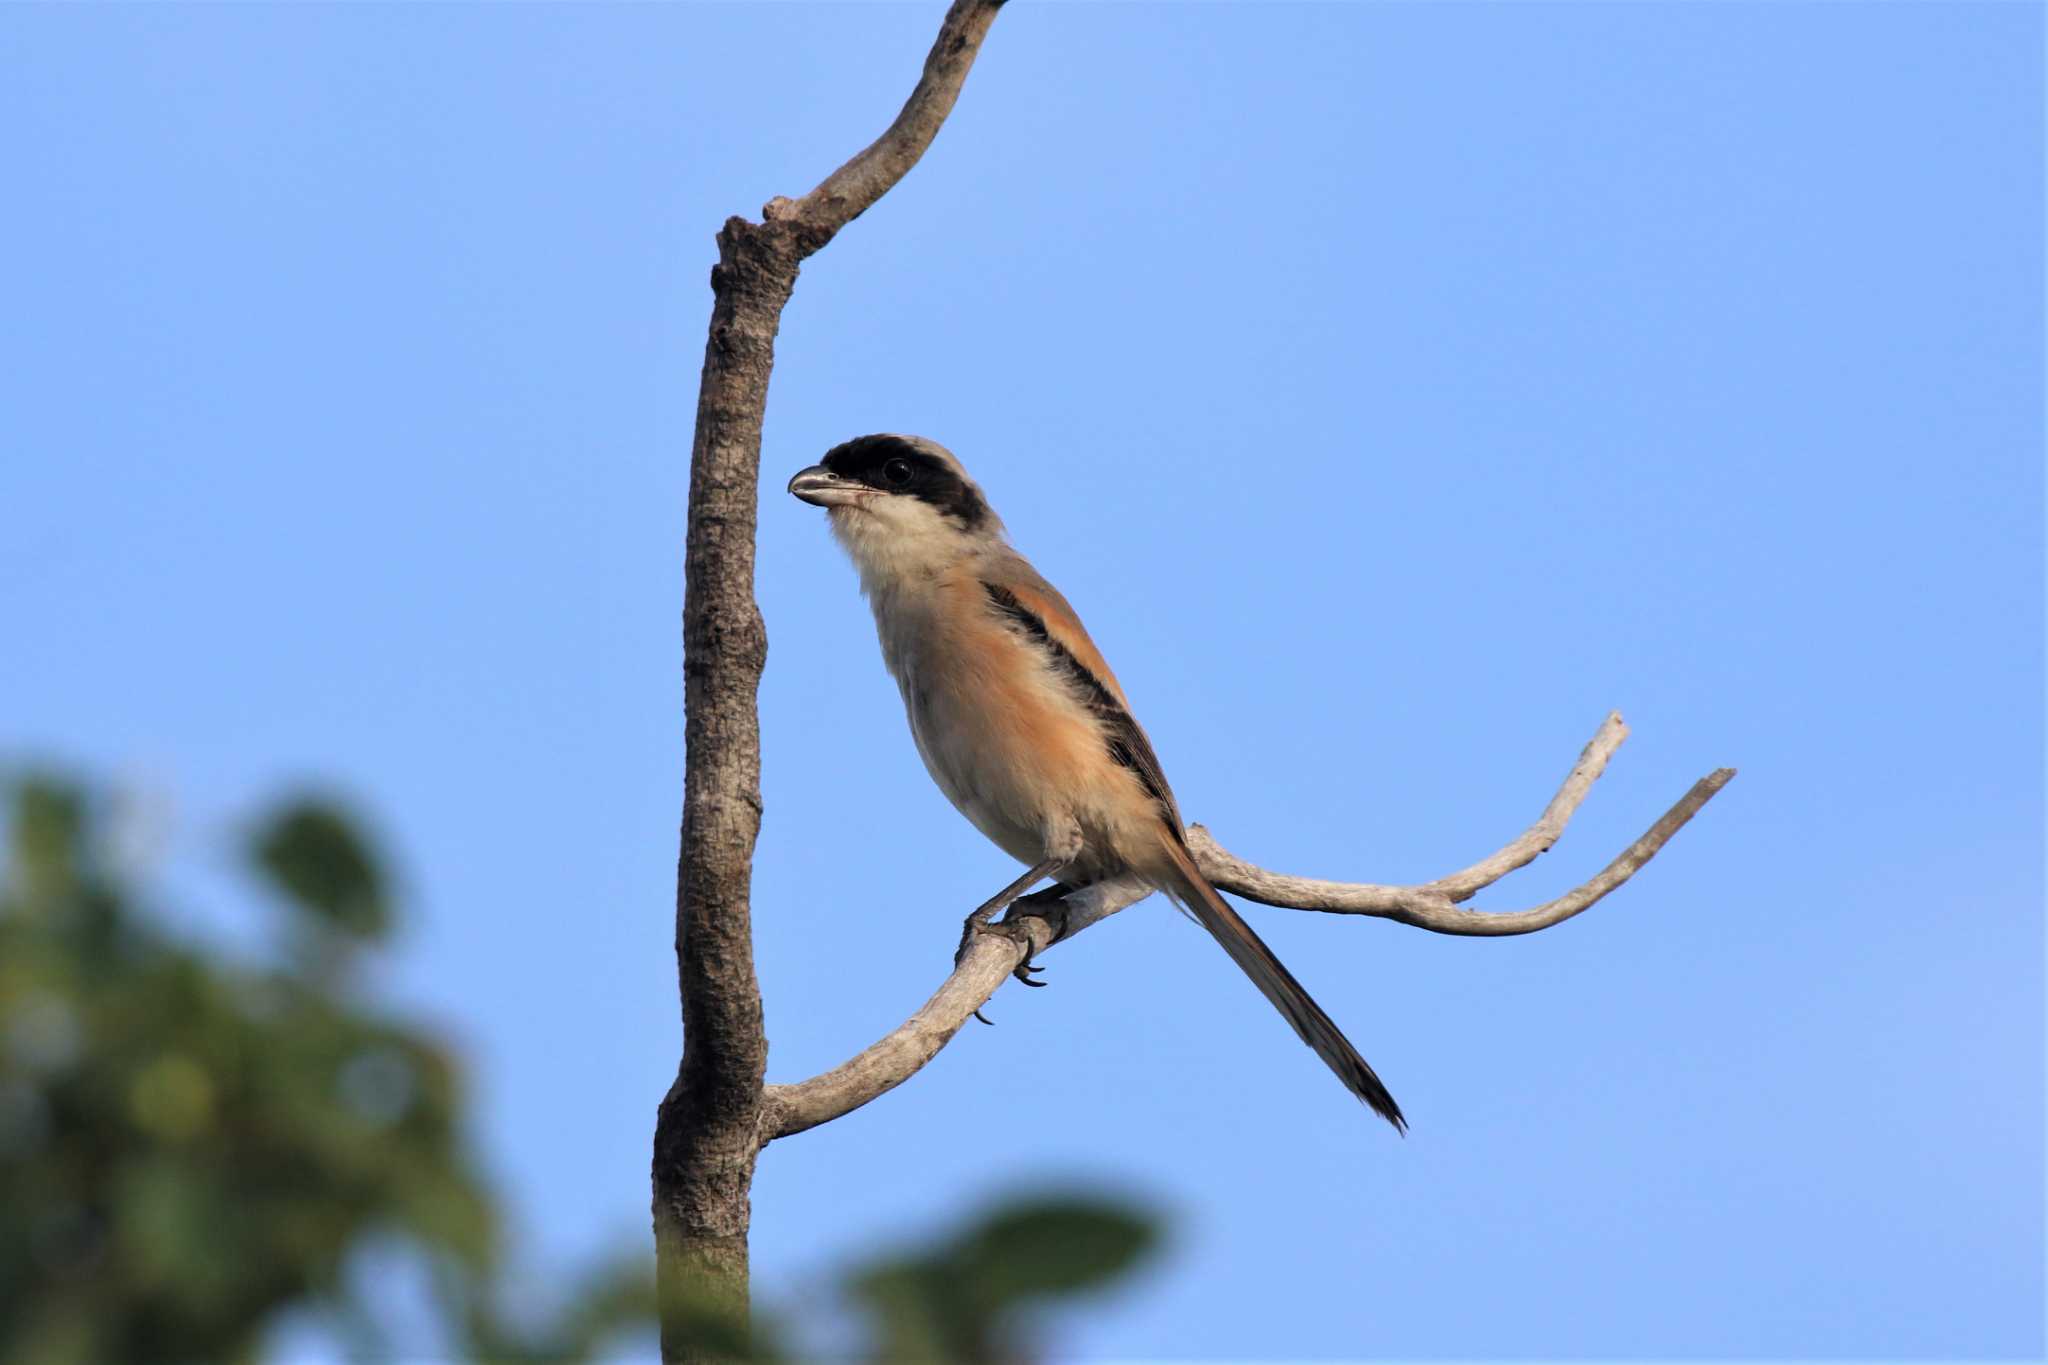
(977, 923)
(1049, 905)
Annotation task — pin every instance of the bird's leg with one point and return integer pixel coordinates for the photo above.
(1049, 905)
(1063, 843)
(977, 923)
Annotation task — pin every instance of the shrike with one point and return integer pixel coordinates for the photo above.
(1016, 714)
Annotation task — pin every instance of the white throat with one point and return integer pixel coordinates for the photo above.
(899, 544)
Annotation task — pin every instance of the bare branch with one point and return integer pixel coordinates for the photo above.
(1435, 906)
(989, 959)
(853, 189)
(1428, 907)
(1537, 839)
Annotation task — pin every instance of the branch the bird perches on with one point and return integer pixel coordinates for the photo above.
(987, 959)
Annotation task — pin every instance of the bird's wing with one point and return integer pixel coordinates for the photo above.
(1058, 617)
(1029, 603)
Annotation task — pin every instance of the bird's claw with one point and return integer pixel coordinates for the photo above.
(977, 923)
(1013, 930)
(1047, 905)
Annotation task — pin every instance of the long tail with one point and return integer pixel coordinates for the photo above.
(1316, 1028)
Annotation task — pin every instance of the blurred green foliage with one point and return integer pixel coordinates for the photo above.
(190, 1146)
(973, 1296)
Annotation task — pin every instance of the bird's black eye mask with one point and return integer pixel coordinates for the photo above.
(891, 464)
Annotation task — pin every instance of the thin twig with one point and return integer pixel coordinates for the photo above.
(1427, 907)
(1538, 838)
(851, 190)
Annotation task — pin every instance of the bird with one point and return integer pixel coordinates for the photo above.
(1016, 713)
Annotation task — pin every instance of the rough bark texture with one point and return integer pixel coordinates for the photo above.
(707, 1132)
(704, 1143)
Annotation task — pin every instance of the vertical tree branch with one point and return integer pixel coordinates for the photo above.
(708, 1131)
(705, 1142)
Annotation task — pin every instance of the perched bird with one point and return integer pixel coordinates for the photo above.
(1017, 715)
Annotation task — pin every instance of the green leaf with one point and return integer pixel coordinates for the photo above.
(919, 1313)
(962, 1299)
(313, 854)
(1060, 1245)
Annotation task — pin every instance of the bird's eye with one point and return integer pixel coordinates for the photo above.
(897, 473)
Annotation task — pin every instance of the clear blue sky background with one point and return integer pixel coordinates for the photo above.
(1394, 388)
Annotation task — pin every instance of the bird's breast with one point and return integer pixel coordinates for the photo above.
(1002, 735)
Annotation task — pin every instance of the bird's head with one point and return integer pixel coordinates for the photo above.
(898, 503)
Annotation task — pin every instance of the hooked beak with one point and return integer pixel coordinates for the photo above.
(820, 487)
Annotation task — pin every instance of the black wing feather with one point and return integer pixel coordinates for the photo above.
(1122, 734)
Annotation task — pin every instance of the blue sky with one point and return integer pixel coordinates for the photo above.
(1394, 388)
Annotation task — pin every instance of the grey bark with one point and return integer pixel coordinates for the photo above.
(707, 1131)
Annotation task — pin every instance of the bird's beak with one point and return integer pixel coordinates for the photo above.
(820, 487)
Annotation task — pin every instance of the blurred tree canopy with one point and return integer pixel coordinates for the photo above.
(190, 1145)
(972, 1296)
